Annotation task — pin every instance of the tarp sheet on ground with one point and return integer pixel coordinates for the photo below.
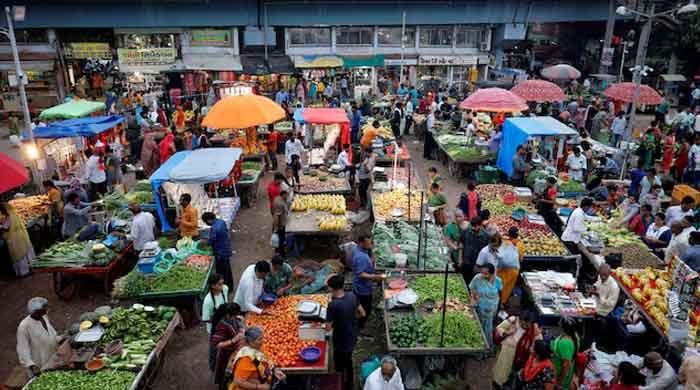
(79, 127)
(193, 168)
(516, 132)
(72, 109)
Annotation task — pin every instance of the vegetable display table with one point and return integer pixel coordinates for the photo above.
(416, 329)
(247, 189)
(307, 223)
(462, 166)
(65, 279)
(328, 185)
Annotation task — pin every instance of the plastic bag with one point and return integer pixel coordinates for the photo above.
(275, 240)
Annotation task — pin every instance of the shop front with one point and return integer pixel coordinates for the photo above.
(453, 71)
(391, 70)
(144, 56)
(317, 67)
(362, 73)
(41, 87)
(88, 65)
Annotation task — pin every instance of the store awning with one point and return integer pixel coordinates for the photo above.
(673, 78)
(72, 109)
(363, 61)
(34, 66)
(254, 64)
(83, 127)
(280, 64)
(318, 61)
(211, 62)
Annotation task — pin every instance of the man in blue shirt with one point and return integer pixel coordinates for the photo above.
(220, 243)
(363, 275)
(691, 257)
(281, 96)
(355, 122)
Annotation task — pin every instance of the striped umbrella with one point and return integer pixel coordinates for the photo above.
(560, 72)
(625, 92)
(494, 100)
(538, 91)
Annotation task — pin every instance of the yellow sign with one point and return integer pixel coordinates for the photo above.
(88, 50)
(150, 56)
(318, 62)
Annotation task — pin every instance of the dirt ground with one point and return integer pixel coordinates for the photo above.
(185, 363)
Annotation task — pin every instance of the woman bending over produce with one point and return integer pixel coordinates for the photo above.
(226, 339)
(14, 233)
(485, 288)
(251, 368)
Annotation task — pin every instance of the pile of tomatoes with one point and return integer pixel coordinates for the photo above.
(280, 327)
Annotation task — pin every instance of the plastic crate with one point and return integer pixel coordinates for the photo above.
(680, 191)
(147, 265)
(487, 176)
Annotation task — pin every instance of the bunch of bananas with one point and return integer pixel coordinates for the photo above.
(335, 204)
(332, 224)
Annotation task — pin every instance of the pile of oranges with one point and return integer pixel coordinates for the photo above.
(281, 329)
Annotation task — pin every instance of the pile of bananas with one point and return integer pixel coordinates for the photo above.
(335, 204)
(332, 224)
(385, 202)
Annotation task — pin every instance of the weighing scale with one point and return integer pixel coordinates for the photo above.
(311, 311)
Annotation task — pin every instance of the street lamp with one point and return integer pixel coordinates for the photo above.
(9, 32)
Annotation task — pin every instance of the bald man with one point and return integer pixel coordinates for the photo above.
(659, 374)
(605, 291)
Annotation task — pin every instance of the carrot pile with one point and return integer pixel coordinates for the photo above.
(281, 329)
(200, 262)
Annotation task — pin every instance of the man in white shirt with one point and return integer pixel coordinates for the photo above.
(386, 377)
(342, 159)
(95, 174)
(250, 287)
(618, 129)
(680, 239)
(605, 291)
(142, 227)
(293, 146)
(660, 375)
(676, 213)
(694, 162)
(575, 225)
(576, 162)
(470, 129)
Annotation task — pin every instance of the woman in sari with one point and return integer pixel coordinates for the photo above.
(518, 335)
(564, 350)
(15, 235)
(509, 263)
(226, 339)
(166, 147)
(669, 147)
(150, 159)
(538, 373)
(251, 368)
(485, 288)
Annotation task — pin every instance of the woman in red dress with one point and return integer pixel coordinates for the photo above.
(669, 148)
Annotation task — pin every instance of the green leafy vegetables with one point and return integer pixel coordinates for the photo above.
(83, 380)
(132, 325)
(430, 287)
(405, 237)
(405, 332)
(178, 278)
(460, 330)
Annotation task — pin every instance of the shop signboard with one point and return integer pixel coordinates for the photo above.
(88, 50)
(447, 60)
(606, 58)
(210, 37)
(149, 56)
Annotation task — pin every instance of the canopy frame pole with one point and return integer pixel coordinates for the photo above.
(444, 307)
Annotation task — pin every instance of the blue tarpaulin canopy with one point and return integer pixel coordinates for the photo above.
(79, 127)
(193, 167)
(516, 132)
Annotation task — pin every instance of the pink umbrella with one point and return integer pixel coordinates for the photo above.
(625, 92)
(14, 174)
(538, 91)
(494, 100)
(560, 72)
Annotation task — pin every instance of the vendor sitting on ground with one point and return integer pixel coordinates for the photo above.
(331, 156)
(309, 276)
(605, 291)
(658, 235)
(279, 280)
(37, 339)
(659, 373)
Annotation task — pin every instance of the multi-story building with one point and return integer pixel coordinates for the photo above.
(373, 42)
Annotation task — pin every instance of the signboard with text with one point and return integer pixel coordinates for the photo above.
(211, 37)
(447, 60)
(149, 56)
(88, 50)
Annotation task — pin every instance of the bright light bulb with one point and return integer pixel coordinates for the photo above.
(31, 151)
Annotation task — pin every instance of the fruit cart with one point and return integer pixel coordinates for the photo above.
(140, 377)
(414, 329)
(286, 335)
(65, 279)
(462, 163)
(639, 301)
(323, 184)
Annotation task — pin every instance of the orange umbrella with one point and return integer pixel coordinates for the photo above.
(243, 111)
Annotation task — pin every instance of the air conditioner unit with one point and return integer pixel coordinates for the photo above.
(484, 46)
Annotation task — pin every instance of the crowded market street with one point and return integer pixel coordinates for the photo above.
(393, 196)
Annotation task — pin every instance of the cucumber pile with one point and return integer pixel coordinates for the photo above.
(408, 331)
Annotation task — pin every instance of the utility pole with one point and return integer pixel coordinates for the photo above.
(10, 33)
(403, 43)
(639, 67)
(607, 40)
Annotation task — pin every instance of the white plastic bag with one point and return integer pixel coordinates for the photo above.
(275, 240)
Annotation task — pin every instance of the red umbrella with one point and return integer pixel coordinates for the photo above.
(14, 174)
(625, 92)
(539, 91)
(560, 72)
(494, 100)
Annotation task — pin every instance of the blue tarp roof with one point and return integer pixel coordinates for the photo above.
(79, 127)
(516, 131)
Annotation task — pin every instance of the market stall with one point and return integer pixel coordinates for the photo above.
(110, 348)
(292, 324)
(320, 214)
(386, 179)
(554, 295)
(409, 246)
(327, 126)
(397, 205)
(462, 154)
(520, 131)
(247, 185)
(430, 314)
(319, 182)
(184, 172)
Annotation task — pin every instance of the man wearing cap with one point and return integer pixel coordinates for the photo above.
(37, 340)
(659, 374)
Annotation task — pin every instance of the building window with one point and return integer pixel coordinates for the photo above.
(354, 36)
(309, 36)
(145, 41)
(469, 37)
(27, 36)
(391, 36)
(436, 36)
